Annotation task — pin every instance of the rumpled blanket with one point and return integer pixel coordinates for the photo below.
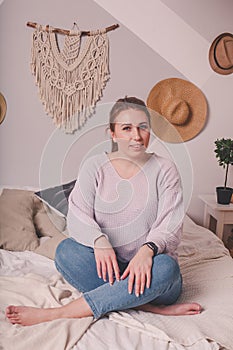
(37, 291)
(207, 271)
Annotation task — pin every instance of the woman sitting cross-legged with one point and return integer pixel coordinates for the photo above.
(124, 220)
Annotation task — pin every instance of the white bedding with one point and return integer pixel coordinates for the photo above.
(30, 279)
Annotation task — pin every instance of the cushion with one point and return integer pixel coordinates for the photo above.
(49, 246)
(48, 224)
(46, 220)
(57, 197)
(17, 231)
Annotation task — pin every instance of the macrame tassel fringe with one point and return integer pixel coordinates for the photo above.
(70, 84)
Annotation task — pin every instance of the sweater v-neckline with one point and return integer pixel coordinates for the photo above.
(141, 169)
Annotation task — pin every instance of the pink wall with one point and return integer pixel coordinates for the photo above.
(156, 40)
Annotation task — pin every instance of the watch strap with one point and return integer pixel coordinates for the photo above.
(152, 246)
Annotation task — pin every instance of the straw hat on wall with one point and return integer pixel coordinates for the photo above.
(2, 108)
(178, 110)
(221, 54)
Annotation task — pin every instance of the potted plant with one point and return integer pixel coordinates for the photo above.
(224, 153)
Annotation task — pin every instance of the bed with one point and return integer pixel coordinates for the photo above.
(31, 226)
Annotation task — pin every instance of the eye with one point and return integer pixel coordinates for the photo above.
(144, 127)
(126, 128)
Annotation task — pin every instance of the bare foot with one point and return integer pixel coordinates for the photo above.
(27, 316)
(173, 310)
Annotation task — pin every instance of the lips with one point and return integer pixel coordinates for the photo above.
(137, 146)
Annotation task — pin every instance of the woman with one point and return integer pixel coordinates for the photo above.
(125, 220)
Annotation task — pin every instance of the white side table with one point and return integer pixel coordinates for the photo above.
(221, 212)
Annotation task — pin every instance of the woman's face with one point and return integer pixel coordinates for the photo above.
(132, 132)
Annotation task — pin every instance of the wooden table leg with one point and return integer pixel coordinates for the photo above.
(206, 222)
(220, 227)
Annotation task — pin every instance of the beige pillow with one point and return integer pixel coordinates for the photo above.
(48, 224)
(48, 248)
(46, 220)
(17, 231)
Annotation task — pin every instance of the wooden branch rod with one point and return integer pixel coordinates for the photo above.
(67, 32)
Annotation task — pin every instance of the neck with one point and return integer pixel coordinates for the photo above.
(127, 167)
(138, 160)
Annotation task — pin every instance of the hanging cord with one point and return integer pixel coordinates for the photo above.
(70, 32)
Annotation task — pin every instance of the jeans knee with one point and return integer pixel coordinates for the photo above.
(61, 252)
(166, 275)
(166, 267)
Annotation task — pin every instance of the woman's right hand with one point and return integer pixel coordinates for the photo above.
(106, 261)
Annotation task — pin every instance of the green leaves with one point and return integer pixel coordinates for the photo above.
(224, 151)
(224, 154)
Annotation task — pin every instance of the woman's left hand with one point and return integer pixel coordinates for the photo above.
(139, 271)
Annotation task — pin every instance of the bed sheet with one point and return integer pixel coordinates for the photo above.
(127, 330)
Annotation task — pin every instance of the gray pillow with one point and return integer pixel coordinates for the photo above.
(57, 197)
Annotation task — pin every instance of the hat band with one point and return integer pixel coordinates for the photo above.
(215, 56)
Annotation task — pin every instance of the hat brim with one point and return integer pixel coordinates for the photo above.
(212, 56)
(2, 108)
(163, 129)
(172, 88)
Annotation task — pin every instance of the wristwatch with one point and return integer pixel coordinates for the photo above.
(152, 246)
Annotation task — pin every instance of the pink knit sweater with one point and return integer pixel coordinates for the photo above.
(129, 212)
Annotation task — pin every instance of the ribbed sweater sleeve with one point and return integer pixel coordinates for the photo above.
(81, 223)
(166, 229)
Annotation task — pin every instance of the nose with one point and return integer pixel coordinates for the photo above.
(136, 133)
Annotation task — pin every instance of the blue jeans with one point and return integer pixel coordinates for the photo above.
(76, 263)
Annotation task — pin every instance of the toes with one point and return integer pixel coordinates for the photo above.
(193, 312)
(194, 309)
(14, 320)
(10, 310)
(12, 313)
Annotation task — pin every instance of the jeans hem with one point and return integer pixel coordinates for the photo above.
(92, 306)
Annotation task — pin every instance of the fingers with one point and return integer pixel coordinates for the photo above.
(104, 269)
(137, 281)
(113, 270)
(138, 272)
(116, 270)
(139, 284)
(131, 283)
(98, 268)
(125, 273)
(110, 272)
(107, 265)
(148, 279)
(142, 285)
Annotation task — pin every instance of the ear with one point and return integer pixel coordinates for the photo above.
(113, 135)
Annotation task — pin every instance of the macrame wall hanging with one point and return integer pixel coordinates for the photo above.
(70, 80)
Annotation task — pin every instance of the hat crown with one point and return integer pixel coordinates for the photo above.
(221, 54)
(176, 111)
(224, 52)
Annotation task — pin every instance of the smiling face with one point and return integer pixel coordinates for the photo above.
(131, 132)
